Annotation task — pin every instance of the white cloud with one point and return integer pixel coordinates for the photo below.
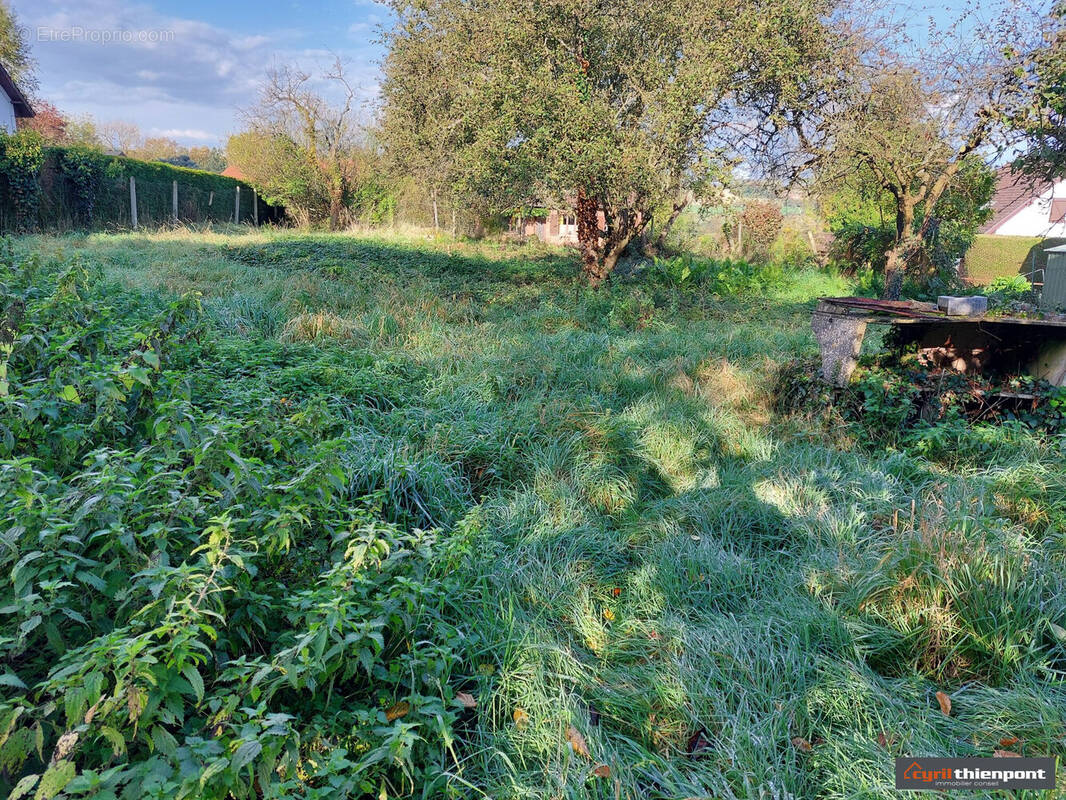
(184, 133)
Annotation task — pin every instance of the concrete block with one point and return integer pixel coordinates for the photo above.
(840, 340)
(962, 306)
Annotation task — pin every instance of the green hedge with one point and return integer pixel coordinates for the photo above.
(992, 257)
(65, 188)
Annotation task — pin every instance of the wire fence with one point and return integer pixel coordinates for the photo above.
(117, 202)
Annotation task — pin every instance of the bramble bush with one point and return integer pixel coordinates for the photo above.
(894, 400)
(208, 593)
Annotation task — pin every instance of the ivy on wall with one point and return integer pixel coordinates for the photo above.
(21, 157)
(83, 168)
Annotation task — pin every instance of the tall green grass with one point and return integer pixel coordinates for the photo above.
(701, 588)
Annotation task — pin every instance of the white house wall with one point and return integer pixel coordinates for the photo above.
(7, 113)
(1033, 220)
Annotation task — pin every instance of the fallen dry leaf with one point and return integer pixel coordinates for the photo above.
(1006, 754)
(602, 771)
(801, 744)
(397, 711)
(466, 700)
(945, 703)
(577, 741)
(1009, 741)
(521, 719)
(615, 591)
(697, 742)
(608, 614)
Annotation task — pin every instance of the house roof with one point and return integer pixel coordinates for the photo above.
(232, 172)
(18, 99)
(1014, 191)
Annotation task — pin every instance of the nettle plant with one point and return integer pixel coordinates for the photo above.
(201, 596)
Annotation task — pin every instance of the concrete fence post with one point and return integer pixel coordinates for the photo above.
(237, 206)
(175, 199)
(255, 208)
(133, 201)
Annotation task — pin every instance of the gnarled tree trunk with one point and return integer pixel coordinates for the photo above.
(602, 247)
(902, 259)
(588, 238)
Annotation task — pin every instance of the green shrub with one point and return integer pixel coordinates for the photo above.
(856, 247)
(793, 251)
(726, 277)
(21, 157)
(1009, 289)
(199, 544)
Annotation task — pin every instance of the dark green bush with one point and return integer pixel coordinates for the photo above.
(59, 188)
(21, 158)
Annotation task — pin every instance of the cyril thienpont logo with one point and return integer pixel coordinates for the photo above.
(975, 773)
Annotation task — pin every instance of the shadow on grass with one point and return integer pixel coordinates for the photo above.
(341, 255)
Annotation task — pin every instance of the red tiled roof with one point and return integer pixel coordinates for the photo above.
(1014, 191)
(232, 172)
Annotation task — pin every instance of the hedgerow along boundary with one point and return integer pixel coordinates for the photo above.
(45, 188)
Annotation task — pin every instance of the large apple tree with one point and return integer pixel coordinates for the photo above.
(621, 107)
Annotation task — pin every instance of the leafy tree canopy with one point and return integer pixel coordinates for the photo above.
(15, 50)
(624, 108)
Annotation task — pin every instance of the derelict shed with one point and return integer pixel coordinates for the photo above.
(1054, 291)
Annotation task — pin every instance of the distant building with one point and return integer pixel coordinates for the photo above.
(13, 103)
(232, 172)
(553, 223)
(552, 226)
(1024, 206)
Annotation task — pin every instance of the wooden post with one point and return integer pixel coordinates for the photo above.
(237, 206)
(175, 198)
(255, 208)
(133, 201)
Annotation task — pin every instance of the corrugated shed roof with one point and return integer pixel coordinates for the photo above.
(1014, 191)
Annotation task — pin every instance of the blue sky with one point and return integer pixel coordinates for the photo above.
(187, 67)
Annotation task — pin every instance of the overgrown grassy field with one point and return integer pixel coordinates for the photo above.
(401, 517)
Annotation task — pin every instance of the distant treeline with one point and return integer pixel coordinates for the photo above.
(48, 188)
